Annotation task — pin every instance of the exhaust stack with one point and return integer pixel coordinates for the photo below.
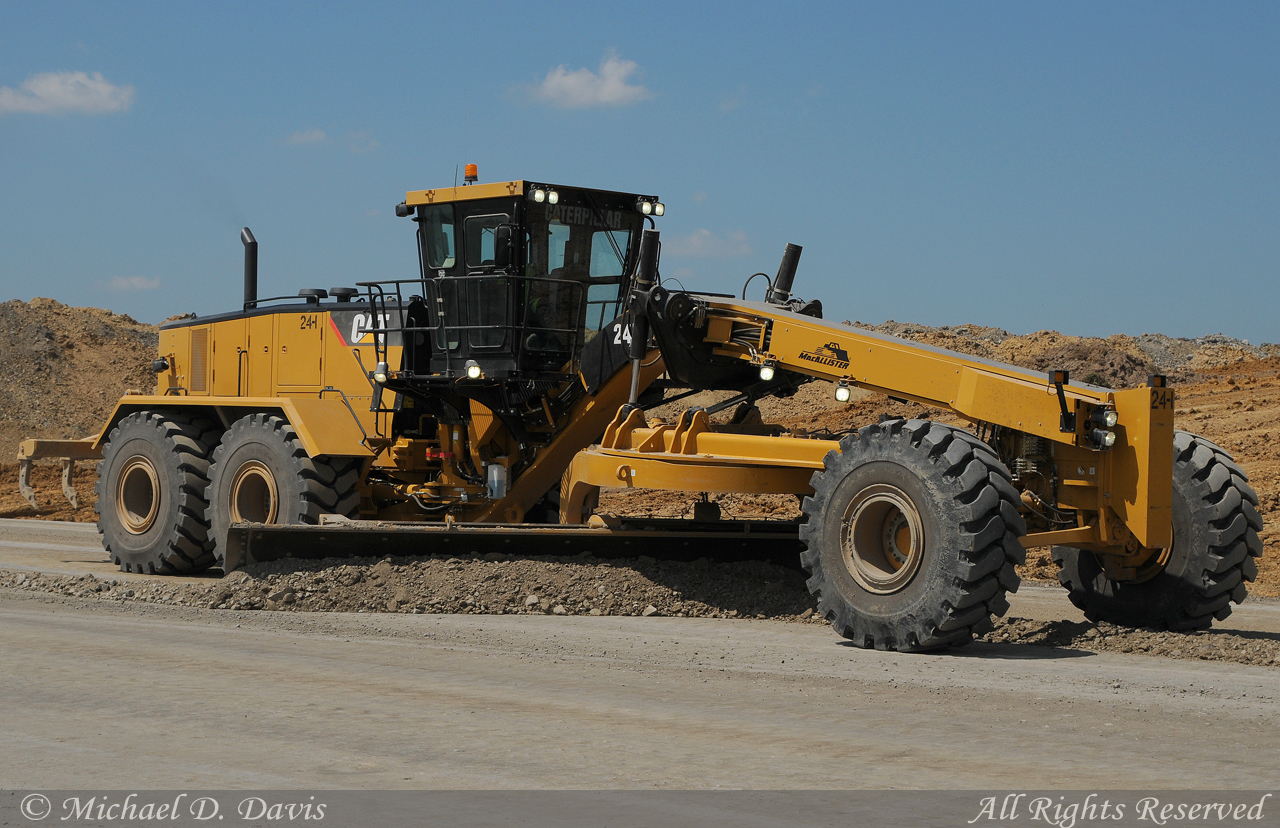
(250, 268)
(781, 290)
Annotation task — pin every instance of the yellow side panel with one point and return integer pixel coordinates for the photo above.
(1141, 465)
(173, 347)
(299, 343)
(258, 364)
(325, 426)
(228, 344)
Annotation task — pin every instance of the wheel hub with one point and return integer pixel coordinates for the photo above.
(882, 539)
(138, 495)
(254, 496)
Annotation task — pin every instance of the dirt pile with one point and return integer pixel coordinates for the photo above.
(1118, 361)
(62, 369)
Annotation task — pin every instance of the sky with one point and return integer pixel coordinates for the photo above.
(1091, 168)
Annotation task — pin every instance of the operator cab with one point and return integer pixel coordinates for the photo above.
(516, 277)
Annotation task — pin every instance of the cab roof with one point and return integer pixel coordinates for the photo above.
(473, 192)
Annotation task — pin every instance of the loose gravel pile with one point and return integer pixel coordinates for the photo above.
(583, 585)
(493, 584)
(1208, 645)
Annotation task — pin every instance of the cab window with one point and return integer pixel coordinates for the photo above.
(480, 232)
(436, 228)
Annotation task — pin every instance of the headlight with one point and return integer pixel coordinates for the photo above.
(553, 197)
(645, 207)
(1105, 417)
(539, 195)
(842, 393)
(659, 208)
(380, 373)
(473, 370)
(766, 372)
(1103, 439)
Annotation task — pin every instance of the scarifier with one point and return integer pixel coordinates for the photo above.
(482, 405)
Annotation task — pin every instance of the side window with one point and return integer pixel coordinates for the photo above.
(605, 256)
(557, 238)
(437, 229)
(479, 232)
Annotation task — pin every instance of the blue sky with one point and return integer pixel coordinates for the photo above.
(1093, 168)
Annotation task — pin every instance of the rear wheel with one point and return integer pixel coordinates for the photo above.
(262, 474)
(152, 511)
(1215, 541)
(912, 536)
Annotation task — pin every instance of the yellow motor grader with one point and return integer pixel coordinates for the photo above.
(484, 402)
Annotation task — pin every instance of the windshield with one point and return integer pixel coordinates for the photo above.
(585, 241)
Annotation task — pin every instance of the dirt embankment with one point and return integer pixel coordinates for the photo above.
(62, 369)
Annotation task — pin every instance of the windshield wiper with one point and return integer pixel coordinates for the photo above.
(598, 215)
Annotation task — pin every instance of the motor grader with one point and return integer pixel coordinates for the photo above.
(485, 401)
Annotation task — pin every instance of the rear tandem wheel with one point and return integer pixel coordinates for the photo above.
(151, 493)
(912, 536)
(262, 474)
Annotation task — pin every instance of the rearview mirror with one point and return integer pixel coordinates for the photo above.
(504, 238)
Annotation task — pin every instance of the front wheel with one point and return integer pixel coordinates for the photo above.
(912, 536)
(262, 474)
(1215, 542)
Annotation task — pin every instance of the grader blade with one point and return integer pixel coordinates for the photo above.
(249, 543)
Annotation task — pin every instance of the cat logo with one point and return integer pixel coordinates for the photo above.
(831, 355)
(361, 328)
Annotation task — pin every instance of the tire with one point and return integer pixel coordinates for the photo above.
(912, 536)
(152, 511)
(262, 474)
(1215, 542)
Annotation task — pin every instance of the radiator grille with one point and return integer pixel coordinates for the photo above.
(200, 360)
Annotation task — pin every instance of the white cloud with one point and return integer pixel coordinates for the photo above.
(52, 92)
(306, 136)
(583, 88)
(361, 142)
(704, 244)
(126, 284)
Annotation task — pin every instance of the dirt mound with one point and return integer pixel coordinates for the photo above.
(1117, 361)
(62, 369)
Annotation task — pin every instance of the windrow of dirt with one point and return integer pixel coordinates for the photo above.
(511, 585)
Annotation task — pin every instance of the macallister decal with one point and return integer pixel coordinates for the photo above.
(831, 355)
